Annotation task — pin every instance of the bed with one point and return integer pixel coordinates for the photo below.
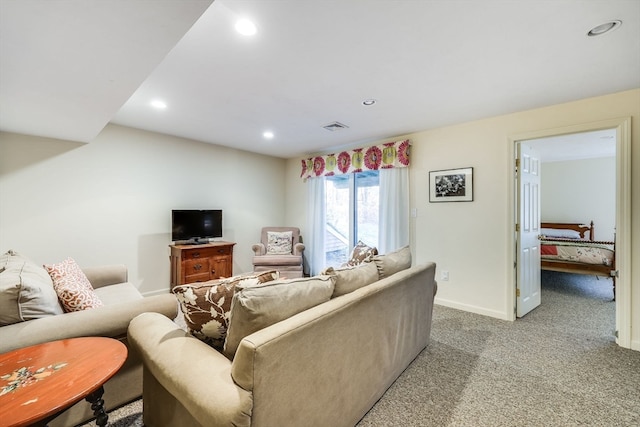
(571, 248)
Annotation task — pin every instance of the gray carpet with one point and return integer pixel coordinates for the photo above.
(557, 366)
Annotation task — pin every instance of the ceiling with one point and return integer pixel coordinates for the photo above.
(69, 67)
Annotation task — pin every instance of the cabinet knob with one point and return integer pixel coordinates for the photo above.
(196, 254)
(213, 272)
(197, 267)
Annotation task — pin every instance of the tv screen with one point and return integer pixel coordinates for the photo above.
(196, 224)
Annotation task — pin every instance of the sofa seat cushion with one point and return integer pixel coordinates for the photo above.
(26, 290)
(277, 260)
(256, 307)
(121, 292)
(348, 279)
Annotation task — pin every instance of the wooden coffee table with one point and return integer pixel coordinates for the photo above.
(37, 383)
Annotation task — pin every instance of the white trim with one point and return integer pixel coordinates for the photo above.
(470, 308)
(157, 292)
(623, 215)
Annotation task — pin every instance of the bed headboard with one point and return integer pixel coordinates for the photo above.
(579, 227)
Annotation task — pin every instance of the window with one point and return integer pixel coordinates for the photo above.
(352, 211)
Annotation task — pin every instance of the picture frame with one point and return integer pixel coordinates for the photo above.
(451, 185)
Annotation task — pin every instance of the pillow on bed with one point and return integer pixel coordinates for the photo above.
(561, 233)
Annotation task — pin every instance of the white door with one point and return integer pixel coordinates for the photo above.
(527, 231)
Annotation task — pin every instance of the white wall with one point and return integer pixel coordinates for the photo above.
(580, 191)
(472, 239)
(110, 201)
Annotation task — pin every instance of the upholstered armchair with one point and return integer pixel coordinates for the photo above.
(281, 249)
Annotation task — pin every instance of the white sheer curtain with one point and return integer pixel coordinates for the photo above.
(316, 220)
(394, 209)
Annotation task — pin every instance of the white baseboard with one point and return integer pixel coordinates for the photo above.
(472, 309)
(158, 292)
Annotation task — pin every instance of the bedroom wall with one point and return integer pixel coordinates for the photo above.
(580, 190)
(472, 240)
(110, 201)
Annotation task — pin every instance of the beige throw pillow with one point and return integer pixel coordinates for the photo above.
(254, 308)
(26, 290)
(206, 306)
(348, 279)
(393, 262)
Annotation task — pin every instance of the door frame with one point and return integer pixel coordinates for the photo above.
(622, 126)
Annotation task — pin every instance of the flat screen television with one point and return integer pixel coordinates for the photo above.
(194, 225)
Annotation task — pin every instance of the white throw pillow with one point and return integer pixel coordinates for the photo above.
(279, 242)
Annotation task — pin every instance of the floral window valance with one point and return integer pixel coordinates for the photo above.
(384, 156)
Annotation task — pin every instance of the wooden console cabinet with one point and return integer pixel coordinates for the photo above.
(199, 263)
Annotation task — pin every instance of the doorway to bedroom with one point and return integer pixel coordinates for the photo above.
(580, 180)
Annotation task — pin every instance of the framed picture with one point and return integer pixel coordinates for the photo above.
(451, 185)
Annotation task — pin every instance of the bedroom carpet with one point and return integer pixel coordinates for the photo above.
(557, 366)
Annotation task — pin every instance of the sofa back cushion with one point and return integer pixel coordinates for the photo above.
(256, 307)
(392, 262)
(26, 290)
(348, 279)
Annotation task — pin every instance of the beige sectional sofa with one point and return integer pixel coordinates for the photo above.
(324, 366)
(122, 302)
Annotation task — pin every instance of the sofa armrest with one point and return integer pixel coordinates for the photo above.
(298, 248)
(107, 321)
(106, 275)
(192, 372)
(259, 249)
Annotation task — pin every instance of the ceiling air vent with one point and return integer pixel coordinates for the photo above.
(335, 126)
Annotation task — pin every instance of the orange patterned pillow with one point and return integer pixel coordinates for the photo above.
(72, 286)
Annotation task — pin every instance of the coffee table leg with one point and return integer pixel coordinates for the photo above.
(97, 404)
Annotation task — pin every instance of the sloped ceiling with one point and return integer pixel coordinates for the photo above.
(427, 63)
(66, 67)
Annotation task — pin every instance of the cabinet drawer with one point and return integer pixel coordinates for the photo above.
(196, 266)
(192, 278)
(206, 252)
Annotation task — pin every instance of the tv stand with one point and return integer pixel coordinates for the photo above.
(200, 262)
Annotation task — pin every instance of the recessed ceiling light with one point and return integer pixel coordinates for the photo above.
(369, 102)
(156, 103)
(246, 27)
(604, 28)
(268, 135)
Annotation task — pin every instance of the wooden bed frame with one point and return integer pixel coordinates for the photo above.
(579, 268)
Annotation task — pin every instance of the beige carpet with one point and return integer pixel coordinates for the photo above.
(557, 366)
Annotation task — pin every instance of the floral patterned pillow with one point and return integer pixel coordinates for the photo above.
(279, 242)
(72, 286)
(206, 306)
(361, 253)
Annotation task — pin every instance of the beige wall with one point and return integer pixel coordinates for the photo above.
(110, 201)
(580, 191)
(472, 240)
